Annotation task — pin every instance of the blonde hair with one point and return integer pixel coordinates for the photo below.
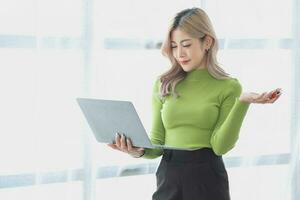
(195, 22)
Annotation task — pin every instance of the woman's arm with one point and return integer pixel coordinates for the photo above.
(157, 133)
(232, 113)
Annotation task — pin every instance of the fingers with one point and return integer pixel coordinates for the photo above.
(274, 95)
(272, 100)
(118, 142)
(268, 97)
(125, 145)
(121, 143)
(265, 97)
(129, 145)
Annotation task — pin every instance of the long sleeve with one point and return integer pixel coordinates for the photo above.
(231, 116)
(208, 113)
(157, 133)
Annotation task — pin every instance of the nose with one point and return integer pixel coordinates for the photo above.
(180, 52)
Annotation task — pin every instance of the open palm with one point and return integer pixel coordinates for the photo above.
(265, 97)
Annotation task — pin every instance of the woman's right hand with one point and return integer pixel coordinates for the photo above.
(125, 145)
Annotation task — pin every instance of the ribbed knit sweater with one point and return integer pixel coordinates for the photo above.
(208, 113)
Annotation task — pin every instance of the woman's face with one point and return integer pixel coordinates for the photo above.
(188, 51)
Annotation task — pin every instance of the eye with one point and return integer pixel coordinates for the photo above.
(172, 47)
(187, 45)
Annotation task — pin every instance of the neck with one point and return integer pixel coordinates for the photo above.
(201, 67)
(203, 62)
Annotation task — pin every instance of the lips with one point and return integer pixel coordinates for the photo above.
(184, 62)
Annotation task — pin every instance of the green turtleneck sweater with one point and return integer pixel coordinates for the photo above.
(208, 113)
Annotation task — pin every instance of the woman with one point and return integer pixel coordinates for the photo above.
(196, 105)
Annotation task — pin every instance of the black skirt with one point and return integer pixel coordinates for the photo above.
(191, 175)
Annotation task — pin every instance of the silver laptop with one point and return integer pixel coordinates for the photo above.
(107, 117)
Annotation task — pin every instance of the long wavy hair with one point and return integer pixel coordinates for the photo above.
(196, 23)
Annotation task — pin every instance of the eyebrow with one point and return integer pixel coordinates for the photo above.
(182, 40)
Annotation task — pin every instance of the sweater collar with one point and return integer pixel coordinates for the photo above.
(197, 74)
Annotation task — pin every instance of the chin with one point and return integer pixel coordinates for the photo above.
(187, 69)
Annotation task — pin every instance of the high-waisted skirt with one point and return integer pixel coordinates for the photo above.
(191, 175)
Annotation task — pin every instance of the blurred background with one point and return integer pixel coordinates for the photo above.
(52, 52)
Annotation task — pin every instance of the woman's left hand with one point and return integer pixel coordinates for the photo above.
(266, 97)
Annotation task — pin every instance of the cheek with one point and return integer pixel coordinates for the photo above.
(196, 52)
(197, 55)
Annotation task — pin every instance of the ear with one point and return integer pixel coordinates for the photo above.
(208, 41)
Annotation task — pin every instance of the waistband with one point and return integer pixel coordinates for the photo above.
(196, 156)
